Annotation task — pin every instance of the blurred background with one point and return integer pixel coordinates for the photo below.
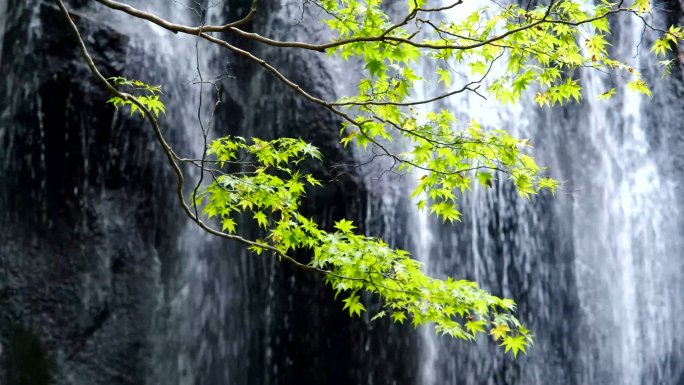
(104, 280)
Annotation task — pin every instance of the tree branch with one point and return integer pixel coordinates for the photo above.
(171, 157)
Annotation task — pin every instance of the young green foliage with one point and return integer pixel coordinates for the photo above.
(259, 180)
(538, 46)
(151, 102)
(268, 190)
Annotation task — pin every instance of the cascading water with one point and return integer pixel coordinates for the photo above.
(103, 280)
(597, 270)
(628, 251)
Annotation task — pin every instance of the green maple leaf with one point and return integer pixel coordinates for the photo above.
(601, 25)
(597, 45)
(485, 178)
(344, 226)
(516, 343)
(116, 100)
(607, 94)
(403, 89)
(571, 88)
(153, 104)
(261, 218)
(660, 45)
(376, 67)
(312, 180)
(228, 224)
(354, 305)
(639, 86)
(134, 108)
(399, 316)
(311, 150)
(521, 82)
(447, 211)
(499, 331)
(478, 68)
(256, 249)
(505, 96)
(361, 140)
(444, 76)
(410, 52)
(476, 326)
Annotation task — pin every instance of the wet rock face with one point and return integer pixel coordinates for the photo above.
(79, 270)
(26, 359)
(102, 279)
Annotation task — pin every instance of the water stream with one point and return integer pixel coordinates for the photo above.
(130, 292)
(597, 270)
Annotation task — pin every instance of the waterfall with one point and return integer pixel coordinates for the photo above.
(103, 280)
(609, 246)
(628, 249)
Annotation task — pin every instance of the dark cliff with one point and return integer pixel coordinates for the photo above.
(101, 272)
(104, 280)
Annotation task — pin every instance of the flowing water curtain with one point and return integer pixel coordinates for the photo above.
(626, 237)
(466, 248)
(504, 281)
(192, 331)
(617, 241)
